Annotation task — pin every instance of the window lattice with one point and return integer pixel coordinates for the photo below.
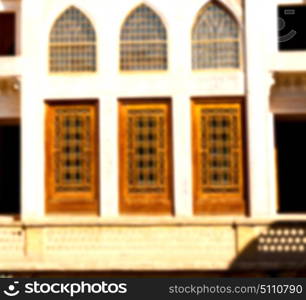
(72, 43)
(143, 41)
(215, 39)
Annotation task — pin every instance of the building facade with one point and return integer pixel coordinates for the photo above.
(154, 137)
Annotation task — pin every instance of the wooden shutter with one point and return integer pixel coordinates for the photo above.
(218, 157)
(145, 157)
(72, 157)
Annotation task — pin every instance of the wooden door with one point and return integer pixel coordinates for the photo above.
(145, 157)
(218, 157)
(72, 157)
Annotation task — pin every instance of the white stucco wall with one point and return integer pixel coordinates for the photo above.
(108, 84)
(179, 82)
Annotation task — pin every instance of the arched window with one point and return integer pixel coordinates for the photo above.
(72, 43)
(215, 39)
(143, 41)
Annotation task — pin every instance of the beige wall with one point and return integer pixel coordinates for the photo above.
(159, 245)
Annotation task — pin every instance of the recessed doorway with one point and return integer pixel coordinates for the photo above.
(291, 156)
(10, 169)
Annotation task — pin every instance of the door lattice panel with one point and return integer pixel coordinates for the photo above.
(72, 149)
(72, 155)
(145, 155)
(220, 150)
(146, 151)
(218, 155)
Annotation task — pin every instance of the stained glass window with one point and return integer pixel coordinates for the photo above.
(143, 41)
(72, 155)
(72, 43)
(215, 39)
(146, 164)
(218, 156)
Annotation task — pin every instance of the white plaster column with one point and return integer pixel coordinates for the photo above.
(32, 112)
(260, 40)
(109, 151)
(107, 89)
(179, 56)
(182, 155)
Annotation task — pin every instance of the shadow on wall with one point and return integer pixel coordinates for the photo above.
(278, 247)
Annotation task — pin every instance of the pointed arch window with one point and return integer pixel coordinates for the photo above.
(72, 45)
(215, 39)
(143, 41)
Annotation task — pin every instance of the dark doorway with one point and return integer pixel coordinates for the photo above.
(9, 169)
(291, 150)
(7, 34)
